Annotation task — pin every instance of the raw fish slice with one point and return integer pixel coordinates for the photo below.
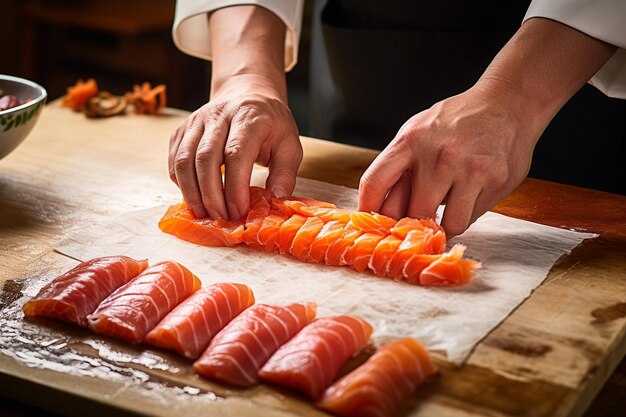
(327, 214)
(449, 269)
(260, 200)
(372, 222)
(311, 359)
(415, 265)
(413, 244)
(287, 232)
(136, 307)
(304, 237)
(380, 386)
(237, 353)
(190, 326)
(404, 225)
(291, 205)
(359, 254)
(74, 295)
(180, 222)
(337, 250)
(384, 252)
(268, 232)
(436, 244)
(331, 231)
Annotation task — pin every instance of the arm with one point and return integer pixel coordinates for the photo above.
(246, 121)
(472, 150)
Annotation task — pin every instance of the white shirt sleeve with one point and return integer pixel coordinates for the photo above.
(601, 19)
(191, 25)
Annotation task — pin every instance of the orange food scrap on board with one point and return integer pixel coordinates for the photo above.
(79, 93)
(147, 100)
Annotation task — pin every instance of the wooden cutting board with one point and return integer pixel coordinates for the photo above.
(549, 358)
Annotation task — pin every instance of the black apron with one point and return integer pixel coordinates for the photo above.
(376, 63)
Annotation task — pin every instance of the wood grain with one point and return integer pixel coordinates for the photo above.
(549, 358)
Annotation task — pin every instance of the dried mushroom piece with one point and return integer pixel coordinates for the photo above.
(105, 104)
(147, 100)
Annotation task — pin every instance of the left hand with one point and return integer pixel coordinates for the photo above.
(469, 151)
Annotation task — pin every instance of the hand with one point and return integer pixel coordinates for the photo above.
(245, 122)
(468, 151)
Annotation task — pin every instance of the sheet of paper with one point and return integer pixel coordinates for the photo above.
(516, 256)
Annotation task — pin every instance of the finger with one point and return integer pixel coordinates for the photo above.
(283, 167)
(429, 190)
(240, 152)
(397, 200)
(381, 175)
(185, 169)
(209, 158)
(459, 209)
(175, 140)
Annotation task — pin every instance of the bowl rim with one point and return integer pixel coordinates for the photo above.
(43, 94)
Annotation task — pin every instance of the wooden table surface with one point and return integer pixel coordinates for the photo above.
(549, 358)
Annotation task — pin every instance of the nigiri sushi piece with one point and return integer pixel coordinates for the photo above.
(180, 221)
(449, 269)
(237, 353)
(191, 325)
(328, 234)
(301, 245)
(311, 359)
(137, 306)
(380, 386)
(74, 295)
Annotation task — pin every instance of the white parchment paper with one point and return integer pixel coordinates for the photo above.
(516, 256)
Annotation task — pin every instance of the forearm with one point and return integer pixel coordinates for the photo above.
(248, 44)
(543, 65)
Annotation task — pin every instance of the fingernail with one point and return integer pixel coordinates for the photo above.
(279, 191)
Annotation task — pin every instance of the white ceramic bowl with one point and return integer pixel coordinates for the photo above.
(17, 122)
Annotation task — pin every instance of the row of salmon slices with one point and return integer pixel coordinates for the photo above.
(412, 250)
(232, 339)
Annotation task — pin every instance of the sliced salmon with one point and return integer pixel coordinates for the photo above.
(372, 222)
(383, 253)
(268, 232)
(335, 254)
(260, 204)
(301, 244)
(74, 295)
(449, 269)
(413, 244)
(311, 359)
(239, 351)
(380, 386)
(359, 254)
(327, 235)
(137, 306)
(291, 205)
(180, 221)
(287, 233)
(191, 325)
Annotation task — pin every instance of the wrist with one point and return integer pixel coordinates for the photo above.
(273, 86)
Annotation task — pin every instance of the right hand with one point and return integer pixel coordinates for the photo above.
(246, 121)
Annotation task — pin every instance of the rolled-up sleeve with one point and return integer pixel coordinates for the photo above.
(191, 26)
(601, 19)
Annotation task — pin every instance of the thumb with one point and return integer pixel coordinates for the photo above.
(283, 167)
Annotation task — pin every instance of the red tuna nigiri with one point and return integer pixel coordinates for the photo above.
(74, 295)
(180, 222)
(379, 386)
(189, 328)
(311, 359)
(136, 307)
(237, 353)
